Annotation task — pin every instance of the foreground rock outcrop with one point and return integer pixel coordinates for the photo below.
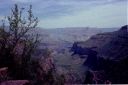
(5, 81)
(15, 82)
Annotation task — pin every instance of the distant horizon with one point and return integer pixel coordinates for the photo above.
(82, 27)
(91, 27)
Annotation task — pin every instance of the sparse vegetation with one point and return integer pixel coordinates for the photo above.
(17, 44)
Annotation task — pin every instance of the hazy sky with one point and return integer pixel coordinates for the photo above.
(73, 13)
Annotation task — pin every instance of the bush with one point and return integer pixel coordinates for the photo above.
(17, 45)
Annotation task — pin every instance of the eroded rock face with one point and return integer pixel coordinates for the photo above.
(124, 28)
(3, 71)
(112, 48)
(5, 81)
(3, 74)
(111, 45)
(15, 82)
(47, 64)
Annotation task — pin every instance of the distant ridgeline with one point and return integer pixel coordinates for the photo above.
(112, 45)
(124, 28)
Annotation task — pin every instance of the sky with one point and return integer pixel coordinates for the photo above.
(73, 13)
